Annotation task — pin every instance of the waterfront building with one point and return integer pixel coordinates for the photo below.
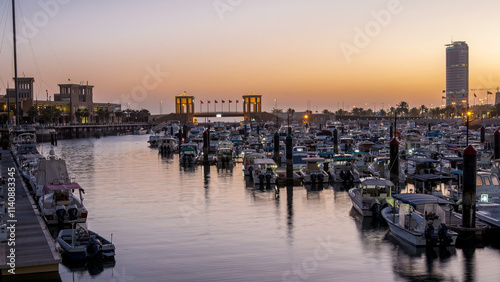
(70, 98)
(457, 73)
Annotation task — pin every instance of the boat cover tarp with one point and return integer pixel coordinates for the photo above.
(68, 186)
(51, 171)
(376, 182)
(420, 199)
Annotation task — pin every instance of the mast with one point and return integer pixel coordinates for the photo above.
(15, 61)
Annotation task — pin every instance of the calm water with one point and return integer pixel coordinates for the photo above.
(175, 224)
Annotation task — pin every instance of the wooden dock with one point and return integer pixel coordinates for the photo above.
(35, 250)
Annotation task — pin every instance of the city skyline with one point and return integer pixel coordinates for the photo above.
(296, 54)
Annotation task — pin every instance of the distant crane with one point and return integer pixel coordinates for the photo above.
(487, 92)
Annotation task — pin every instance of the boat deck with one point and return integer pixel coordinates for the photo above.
(35, 250)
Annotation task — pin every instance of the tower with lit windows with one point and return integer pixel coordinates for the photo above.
(457, 73)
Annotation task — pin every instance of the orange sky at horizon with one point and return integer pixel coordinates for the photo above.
(284, 50)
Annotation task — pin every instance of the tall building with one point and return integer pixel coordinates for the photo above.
(457, 73)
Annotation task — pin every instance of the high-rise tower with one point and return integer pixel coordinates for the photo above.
(457, 73)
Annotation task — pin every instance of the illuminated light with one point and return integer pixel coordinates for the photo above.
(484, 198)
(306, 116)
(469, 113)
(218, 115)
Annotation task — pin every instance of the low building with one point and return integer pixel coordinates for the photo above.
(69, 100)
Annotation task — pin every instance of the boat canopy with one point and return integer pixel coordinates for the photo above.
(66, 186)
(423, 160)
(264, 161)
(376, 182)
(420, 199)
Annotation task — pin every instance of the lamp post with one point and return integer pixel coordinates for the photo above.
(468, 115)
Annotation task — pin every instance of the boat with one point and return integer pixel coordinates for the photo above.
(264, 172)
(83, 244)
(140, 131)
(166, 145)
(489, 213)
(487, 186)
(372, 195)
(312, 173)
(421, 219)
(224, 154)
(58, 204)
(248, 162)
(188, 153)
(50, 170)
(343, 169)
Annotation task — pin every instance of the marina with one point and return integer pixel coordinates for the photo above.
(201, 223)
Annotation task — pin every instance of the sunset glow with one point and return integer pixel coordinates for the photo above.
(292, 51)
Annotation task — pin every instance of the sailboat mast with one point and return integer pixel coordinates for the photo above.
(15, 60)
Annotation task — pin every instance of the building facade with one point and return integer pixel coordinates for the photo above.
(69, 100)
(457, 73)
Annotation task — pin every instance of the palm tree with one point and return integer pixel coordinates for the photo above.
(402, 107)
(79, 114)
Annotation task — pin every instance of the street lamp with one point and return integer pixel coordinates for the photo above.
(469, 113)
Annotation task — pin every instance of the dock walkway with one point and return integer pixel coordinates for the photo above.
(35, 250)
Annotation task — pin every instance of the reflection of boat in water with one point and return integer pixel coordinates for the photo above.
(412, 263)
(93, 267)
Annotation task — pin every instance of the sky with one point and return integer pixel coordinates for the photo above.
(300, 54)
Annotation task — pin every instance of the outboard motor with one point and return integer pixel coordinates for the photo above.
(313, 177)
(429, 235)
(94, 247)
(60, 212)
(444, 237)
(342, 175)
(375, 207)
(321, 177)
(250, 169)
(72, 212)
(261, 178)
(268, 178)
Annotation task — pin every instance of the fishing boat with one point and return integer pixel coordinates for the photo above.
(372, 195)
(264, 172)
(58, 204)
(188, 153)
(83, 244)
(224, 154)
(421, 219)
(248, 162)
(313, 173)
(343, 169)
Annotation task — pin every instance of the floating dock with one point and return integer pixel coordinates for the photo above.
(34, 249)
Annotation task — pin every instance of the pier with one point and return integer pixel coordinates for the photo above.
(34, 249)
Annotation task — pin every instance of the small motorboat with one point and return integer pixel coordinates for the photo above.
(82, 244)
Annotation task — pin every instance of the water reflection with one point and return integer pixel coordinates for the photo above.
(421, 263)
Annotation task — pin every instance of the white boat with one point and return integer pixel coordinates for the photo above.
(248, 162)
(487, 186)
(83, 244)
(224, 154)
(344, 169)
(264, 172)
(372, 195)
(489, 213)
(58, 204)
(166, 145)
(188, 154)
(421, 219)
(49, 171)
(140, 131)
(313, 173)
